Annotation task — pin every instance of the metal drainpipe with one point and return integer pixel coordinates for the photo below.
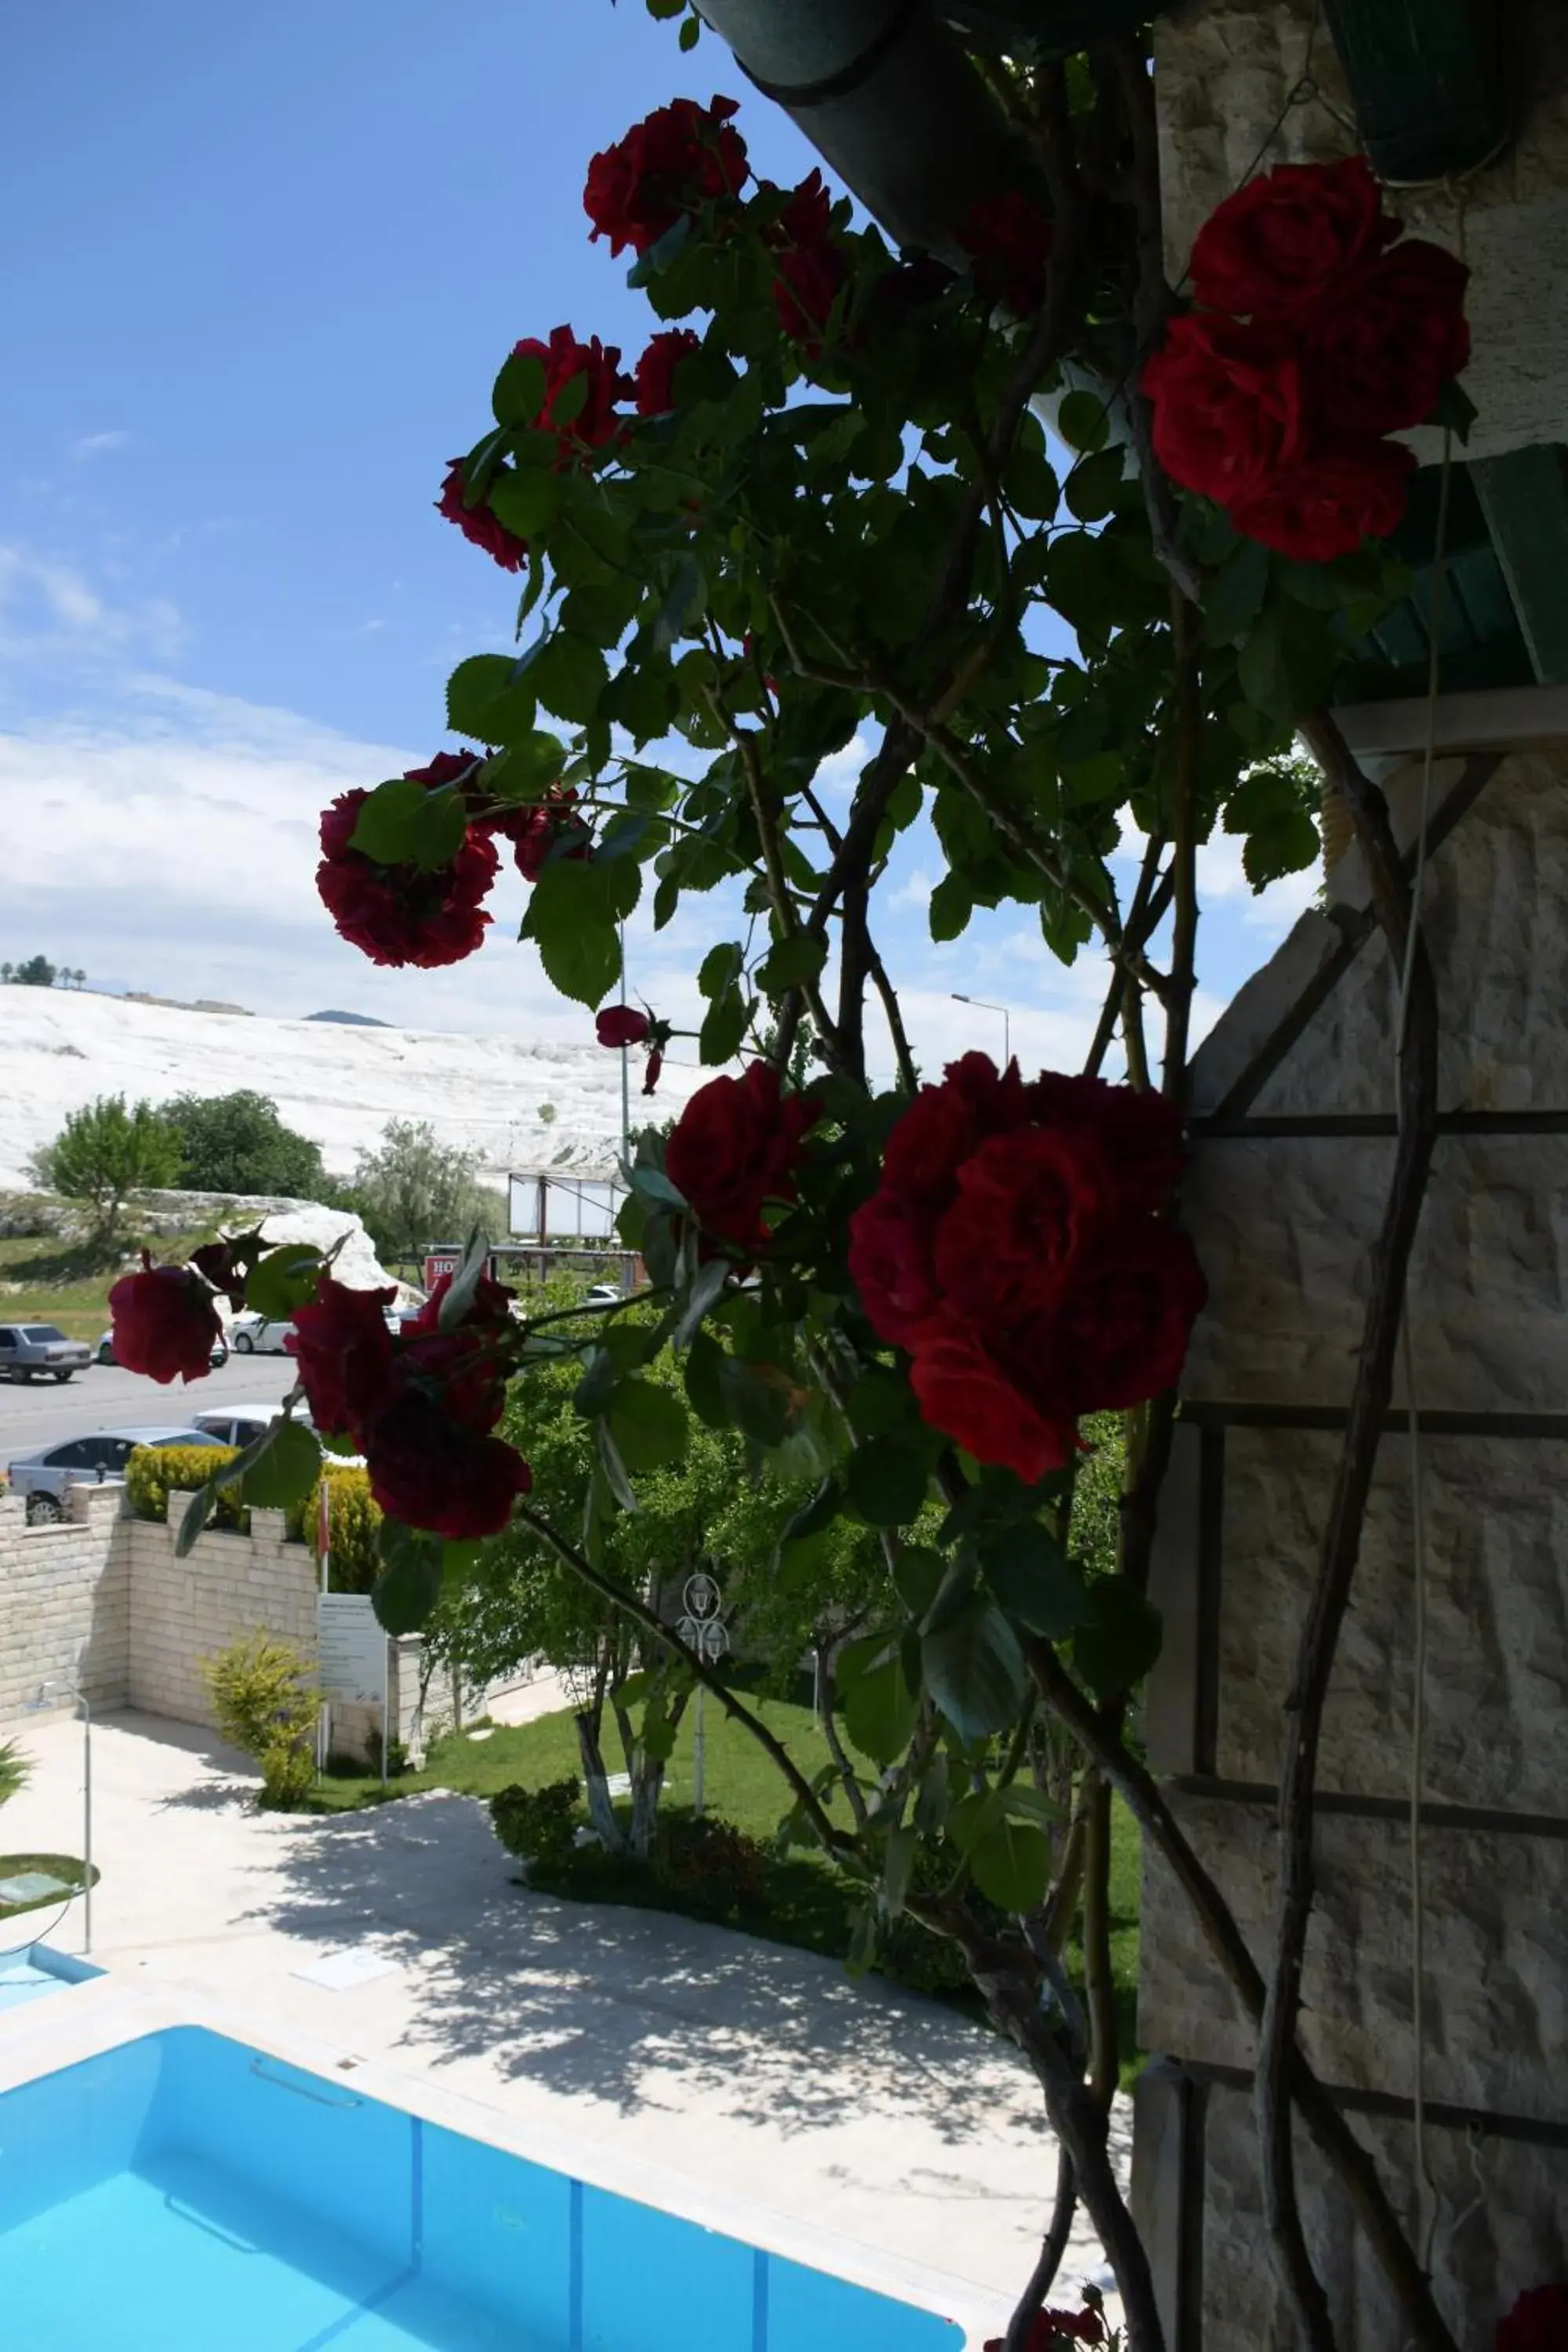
(887, 97)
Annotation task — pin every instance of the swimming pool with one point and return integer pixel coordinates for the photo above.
(27, 1974)
(186, 2193)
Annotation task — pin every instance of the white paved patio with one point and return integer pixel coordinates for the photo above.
(742, 2065)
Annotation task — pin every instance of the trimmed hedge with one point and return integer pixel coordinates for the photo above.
(537, 1825)
(154, 1472)
(354, 1522)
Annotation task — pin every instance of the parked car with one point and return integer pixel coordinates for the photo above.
(29, 1349)
(237, 1425)
(44, 1477)
(104, 1352)
(258, 1335)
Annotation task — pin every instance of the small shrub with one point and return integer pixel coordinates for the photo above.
(15, 1769)
(287, 1775)
(353, 1522)
(156, 1472)
(266, 1704)
(709, 1861)
(538, 1825)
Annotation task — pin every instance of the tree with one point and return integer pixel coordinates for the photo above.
(36, 971)
(697, 1509)
(105, 1153)
(416, 1189)
(237, 1143)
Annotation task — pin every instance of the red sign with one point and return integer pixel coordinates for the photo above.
(443, 1262)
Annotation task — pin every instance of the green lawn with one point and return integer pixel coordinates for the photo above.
(67, 1283)
(805, 1902)
(63, 1866)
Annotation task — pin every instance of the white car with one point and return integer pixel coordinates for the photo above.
(260, 1335)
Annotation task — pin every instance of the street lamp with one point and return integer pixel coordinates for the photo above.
(985, 1006)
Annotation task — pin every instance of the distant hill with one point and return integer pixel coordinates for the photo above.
(60, 1047)
(352, 1020)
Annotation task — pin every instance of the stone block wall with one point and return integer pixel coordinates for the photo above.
(65, 1601)
(185, 1610)
(1283, 1201)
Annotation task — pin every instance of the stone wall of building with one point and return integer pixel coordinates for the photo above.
(1283, 1201)
(183, 1611)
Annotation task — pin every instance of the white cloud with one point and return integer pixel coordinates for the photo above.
(50, 613)
(101, 445)
(841, 771)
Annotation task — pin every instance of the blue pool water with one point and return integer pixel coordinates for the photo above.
(184, 2193)
(27, 1975)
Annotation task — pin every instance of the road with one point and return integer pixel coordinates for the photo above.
(105, 1397)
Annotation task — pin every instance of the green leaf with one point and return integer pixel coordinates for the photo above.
(1034, 1581)
(683, 602)
(287, 1470)
(409, 1584)
(404, 823)
(1081, 420)
(814, 1517)
(704, 1380)
(721, 967)
(951, 904)
(691, 33)
(1029, 484)
(489, 698)
(574, 917)
(459, 1295)
(790, 962)
(1234, 598)
(282, 1280)
(903, 1846)
(917, 1578)
(649, 1426)
(1258, 662)
(876, 1702)
(525, 770)
(718, 1039)
(568, 675)
(525, 499)
(706, 1287)
(1012, 1865)
(758, 1399)
(879, 1402)
(650, 1184)
(974, 1669)
(519, 388)
(887, 1481)
(601, 612)
(1094, 484)
(1121, 1641)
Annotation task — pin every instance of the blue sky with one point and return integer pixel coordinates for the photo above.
(272, 259)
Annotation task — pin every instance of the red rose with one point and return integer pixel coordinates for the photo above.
(651, 1072)
(343, 1348)
(541, 829)
(1378, 354)
(962, 1390)
(809, 267)
(564, 359)
(164, 1322)
(1051, 2329)
(655, 376)
(1008, 239)
(1122, 1327)
(1538, 2322)
(1028, 1204)
(1326, 505)
(402, 914)
(1279, 241)
(621, 1025)
(1013, 1249)
(428, 1471)
(734, 1148)
(464, 1368)
(678, 158)
(478, 523)
(890, 1265)
(1139, 1135)
(446, 768)
(1227, 402)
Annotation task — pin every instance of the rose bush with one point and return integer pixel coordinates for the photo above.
(679, 158)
